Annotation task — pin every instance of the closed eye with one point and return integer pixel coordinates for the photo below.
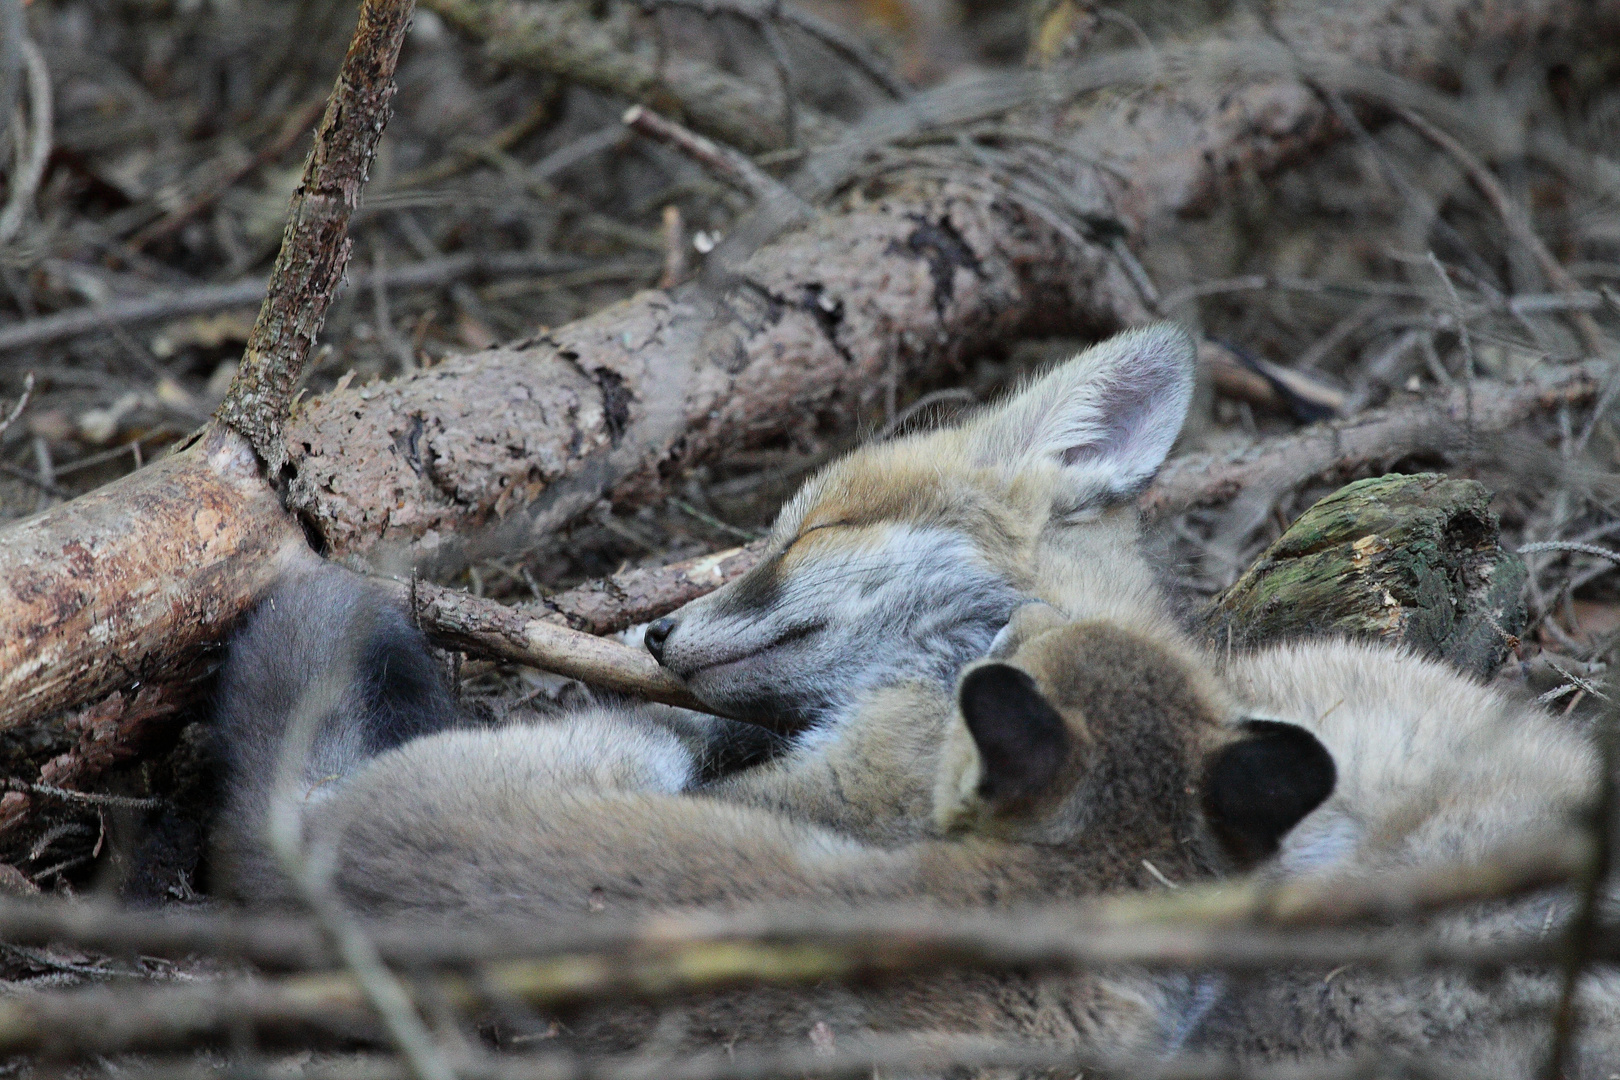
(814, 528)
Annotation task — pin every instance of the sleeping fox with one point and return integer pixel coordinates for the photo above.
(1433, 768)
(1090, 752)
(898, 564)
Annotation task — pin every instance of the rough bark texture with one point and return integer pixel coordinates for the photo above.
(900, 285)
(1409, 559)
(129, 584)
(315, 244)
(532, 434)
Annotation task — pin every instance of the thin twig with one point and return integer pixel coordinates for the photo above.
(22, 403)
(1468, 352)
(1514, 218)
(725, 163)
(25, 180)
(461, 160)
(1581, 939)
(13, 31)
(1368, 440)
(492, 629)
(1570, 545)
(146, 309)
(315, 244)
(88, 798)
(762, 12)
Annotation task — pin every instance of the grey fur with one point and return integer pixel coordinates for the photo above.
(319, 633)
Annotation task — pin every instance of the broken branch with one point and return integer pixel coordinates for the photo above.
(495, 630)
(1366, 443)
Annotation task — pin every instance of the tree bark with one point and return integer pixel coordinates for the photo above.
(315, 244)
(129, 584)
(1413, 560)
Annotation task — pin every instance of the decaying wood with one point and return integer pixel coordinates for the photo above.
(900, 284)
(495, 630)
(1408, 559)
(129, 584)
(315, 245)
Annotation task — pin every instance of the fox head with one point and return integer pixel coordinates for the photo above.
(904, 559)
(1093, 733)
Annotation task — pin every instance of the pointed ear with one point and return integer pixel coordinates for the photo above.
(1258, 788)
(1108, 417)
(1021, 739)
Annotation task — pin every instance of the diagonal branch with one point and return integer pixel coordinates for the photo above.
(315, 245)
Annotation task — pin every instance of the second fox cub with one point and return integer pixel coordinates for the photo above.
(1089, 753)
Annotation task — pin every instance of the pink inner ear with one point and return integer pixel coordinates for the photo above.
(1111, 441)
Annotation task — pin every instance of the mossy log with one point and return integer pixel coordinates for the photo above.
(1411, 559)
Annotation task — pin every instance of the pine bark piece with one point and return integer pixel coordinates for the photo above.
(522, 439)
(130, 583)
(1414, 560)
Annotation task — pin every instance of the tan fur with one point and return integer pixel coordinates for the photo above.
(1432, 767)
(517, 824)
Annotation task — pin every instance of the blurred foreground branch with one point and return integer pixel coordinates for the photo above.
(1244, 926)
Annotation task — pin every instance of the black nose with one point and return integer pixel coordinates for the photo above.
(658, 633)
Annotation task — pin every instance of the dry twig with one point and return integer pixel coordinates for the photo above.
(1200, 927)
(315, 246)
(24, 180)
(495, 630)
(73, 323)
(22, 403)
(1514, 218)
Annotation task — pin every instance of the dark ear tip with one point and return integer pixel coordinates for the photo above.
(987, 686)
(1261, 786)
(1022, 739)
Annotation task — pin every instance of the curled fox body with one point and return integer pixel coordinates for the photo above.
(885, 575)
(1433, 769)
(1090, 752)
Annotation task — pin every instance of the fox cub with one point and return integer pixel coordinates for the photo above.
(1433, 768)
(897, 564)
(1087, 753)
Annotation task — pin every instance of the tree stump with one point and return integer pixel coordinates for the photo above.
(1413, 559)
